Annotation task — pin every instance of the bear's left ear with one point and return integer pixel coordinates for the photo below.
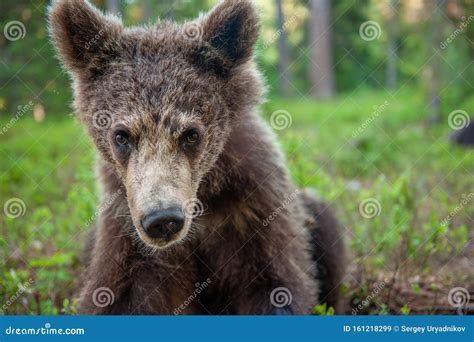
(231, 29)
(82, 34)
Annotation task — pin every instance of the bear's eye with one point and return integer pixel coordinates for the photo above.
(191, 137)
(121, 139)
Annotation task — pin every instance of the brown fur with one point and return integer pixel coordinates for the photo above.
(465, 135)
(157, 82)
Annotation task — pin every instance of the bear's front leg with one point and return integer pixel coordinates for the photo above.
(263, 270)
(121, 280)
(107, 282)
(276, 282)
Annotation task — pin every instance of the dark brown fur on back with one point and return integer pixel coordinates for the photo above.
(156, 83)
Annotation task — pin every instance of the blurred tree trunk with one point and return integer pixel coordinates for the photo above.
(322, 72)
(284, 52)
(437, 24)
(392, 34)
(169, 14)
(113, 6)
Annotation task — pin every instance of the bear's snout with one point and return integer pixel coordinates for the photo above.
(163, 224)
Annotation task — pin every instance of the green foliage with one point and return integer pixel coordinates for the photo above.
(49, 167)
(323, 310)
(417, 178)
(29, 70)
(405, 310)
(410, 169)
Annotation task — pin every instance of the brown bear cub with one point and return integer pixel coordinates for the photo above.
(195, 190)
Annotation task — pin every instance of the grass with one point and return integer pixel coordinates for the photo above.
(373, 148)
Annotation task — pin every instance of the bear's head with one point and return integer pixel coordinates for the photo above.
(159, 101)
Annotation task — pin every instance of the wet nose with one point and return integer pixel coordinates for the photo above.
(163, 224)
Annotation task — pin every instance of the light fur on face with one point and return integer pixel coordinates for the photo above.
(158, 174)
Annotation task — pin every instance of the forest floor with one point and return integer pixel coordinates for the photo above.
(403, 193)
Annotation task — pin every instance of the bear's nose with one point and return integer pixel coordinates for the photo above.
(163, 224)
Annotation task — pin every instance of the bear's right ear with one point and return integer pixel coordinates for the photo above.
(81, 33)
(231, 30)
